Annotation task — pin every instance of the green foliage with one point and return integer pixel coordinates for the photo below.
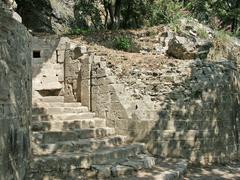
(79, 31)
(202, 33)
(123, 43)
(224, 14)
(237, 34)
(114, 14)
(222, 37)
(165, 11)
(200, 9)
(88, 14)
(135, 13)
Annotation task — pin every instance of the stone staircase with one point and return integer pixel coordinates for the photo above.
(69, 142)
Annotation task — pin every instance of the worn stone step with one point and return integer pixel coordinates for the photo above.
(68, 125)
(192, 148)
(75, 104)
(55, 104)
(50, 99)
(164, 169)
(62, 117)
(76, 146)
(125, 167)
(183, 134)
(57, 136)
(71, 161)
(193, 124)
(59, 110)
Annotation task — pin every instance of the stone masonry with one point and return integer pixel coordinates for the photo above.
(181, 109)
(186, 109)
(68, 140)
(15, 95)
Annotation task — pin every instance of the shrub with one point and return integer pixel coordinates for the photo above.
(123, 43)
(79, 31)
(165, 11)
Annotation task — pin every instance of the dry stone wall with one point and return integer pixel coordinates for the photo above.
(185, 109)
(75, 53)
(15, 96)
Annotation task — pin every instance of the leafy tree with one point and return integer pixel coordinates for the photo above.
(112, 8)
(225, 14)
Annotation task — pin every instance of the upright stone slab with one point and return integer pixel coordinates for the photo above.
(86, 81)
(15, 96)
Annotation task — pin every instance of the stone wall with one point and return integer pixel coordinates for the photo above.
(75, 53)
(184, 109)
(179, 108)
(15, 97)
(48, 65)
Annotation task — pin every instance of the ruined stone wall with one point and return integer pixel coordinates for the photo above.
(184, 109)
(48, 65)
(74, 54)
(15, 97)
(179, 108)
(200, 119)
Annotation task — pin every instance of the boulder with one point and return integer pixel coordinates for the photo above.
(188, 48)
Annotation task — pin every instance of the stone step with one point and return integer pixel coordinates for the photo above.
(142, 167)
(49, 137)
(182, 135)
(126, 167)
(77, 146)
(37, 104)
(173, 148)
(49, 99)
(71, 161)
(62, 117)
(192, 148)
(75, 104)
(192, 124)
(58, 110)
(68, 125)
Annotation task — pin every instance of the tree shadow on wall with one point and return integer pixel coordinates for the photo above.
(203, 125)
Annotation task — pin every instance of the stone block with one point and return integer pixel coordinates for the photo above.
(120, 170)
(103, 171)
(85, 92)
(60, 56)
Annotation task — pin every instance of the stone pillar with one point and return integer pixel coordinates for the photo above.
(85, 74)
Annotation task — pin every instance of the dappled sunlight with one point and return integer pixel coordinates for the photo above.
(210, 113)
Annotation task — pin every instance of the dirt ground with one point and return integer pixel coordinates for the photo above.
(229, 171)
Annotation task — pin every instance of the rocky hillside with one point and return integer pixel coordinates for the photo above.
(51, 16)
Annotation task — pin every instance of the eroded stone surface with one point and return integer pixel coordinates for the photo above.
(15, 94)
